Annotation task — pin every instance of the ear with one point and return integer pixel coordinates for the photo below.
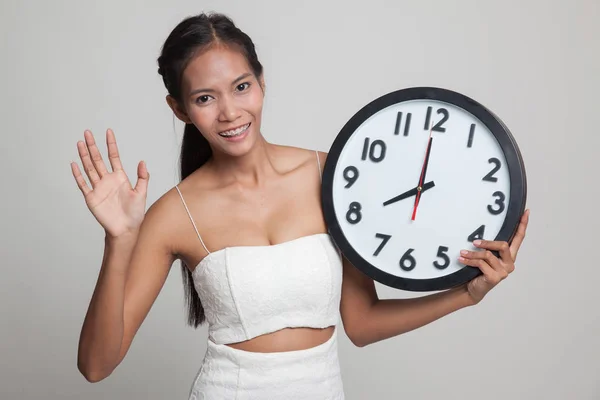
(261, 80)
(179, 112)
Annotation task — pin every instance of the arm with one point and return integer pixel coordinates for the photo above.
(367, 319)
(133, 271)
(136, 259)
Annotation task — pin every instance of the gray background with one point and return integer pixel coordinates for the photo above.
(71, 65)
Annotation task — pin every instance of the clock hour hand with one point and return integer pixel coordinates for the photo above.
(409, 193)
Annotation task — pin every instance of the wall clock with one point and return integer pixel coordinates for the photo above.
(413, 178)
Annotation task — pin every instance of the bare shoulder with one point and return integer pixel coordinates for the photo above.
(163, 206)
(322, 157)
(165, 218)
(160, 212)
(292, 158)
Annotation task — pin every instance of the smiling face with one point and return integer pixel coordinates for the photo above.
(223, 98)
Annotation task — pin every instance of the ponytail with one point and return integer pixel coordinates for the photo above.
(195, 151)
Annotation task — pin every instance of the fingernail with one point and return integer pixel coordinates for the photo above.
(464, 252)
(477, 242)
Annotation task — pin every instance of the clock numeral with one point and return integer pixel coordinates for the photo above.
(471, 135)
(442, 254)
(369, 149)
(408, 262)
(399, 123)
(438, 127)
(354, 214)
(490, 176)
(385, 238)
(350, 175)
(477, 234)
(499, 202)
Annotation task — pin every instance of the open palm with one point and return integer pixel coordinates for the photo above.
(115, 204)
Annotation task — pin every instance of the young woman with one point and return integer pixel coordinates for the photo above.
(246, 223)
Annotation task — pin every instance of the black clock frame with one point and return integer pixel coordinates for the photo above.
(514, 163)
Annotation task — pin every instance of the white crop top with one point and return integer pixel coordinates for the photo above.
(248, 291)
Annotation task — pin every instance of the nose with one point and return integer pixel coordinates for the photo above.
(229, 109)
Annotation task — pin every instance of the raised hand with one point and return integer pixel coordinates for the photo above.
(116, 205)
(494, 269)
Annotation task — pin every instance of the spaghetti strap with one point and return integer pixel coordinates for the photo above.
(319, 164)
(191, 219)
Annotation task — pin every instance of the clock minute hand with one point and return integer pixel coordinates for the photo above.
(409, 193)
(423, 173)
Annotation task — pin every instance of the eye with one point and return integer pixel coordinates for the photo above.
(203, 99)
(243, 86)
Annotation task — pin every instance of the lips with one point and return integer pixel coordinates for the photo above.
(235, 131)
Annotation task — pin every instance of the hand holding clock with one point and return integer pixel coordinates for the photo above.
(494, 269)
(477, 152)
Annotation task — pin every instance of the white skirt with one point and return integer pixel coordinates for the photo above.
(228, 373)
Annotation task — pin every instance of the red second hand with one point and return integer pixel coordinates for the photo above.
(422, 177)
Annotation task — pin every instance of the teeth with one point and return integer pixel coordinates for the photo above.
(235, 132)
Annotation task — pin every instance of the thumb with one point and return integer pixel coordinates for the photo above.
(141, 185)
(520, 235)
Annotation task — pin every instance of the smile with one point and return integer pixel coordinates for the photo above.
(235, 132)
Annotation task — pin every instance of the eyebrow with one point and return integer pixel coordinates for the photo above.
(244, 76)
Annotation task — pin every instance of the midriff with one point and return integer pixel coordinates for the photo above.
(287, 339)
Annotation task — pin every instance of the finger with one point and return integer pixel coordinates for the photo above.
(141, 185)
(81, 183)
(501, 247)
(491, 275)
(113, 151)
(519, 235)
(88, 165)
(484, 255)
(95, 154)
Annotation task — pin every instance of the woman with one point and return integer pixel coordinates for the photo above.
(246, 223)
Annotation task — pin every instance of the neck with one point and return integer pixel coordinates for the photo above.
(250, 170)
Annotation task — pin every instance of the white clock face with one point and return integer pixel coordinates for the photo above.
(465, 197)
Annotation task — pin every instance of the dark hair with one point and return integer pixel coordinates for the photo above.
(190, 37)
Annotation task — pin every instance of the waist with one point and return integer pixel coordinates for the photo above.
(229, 330)
(276, 359)
(287, 339)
